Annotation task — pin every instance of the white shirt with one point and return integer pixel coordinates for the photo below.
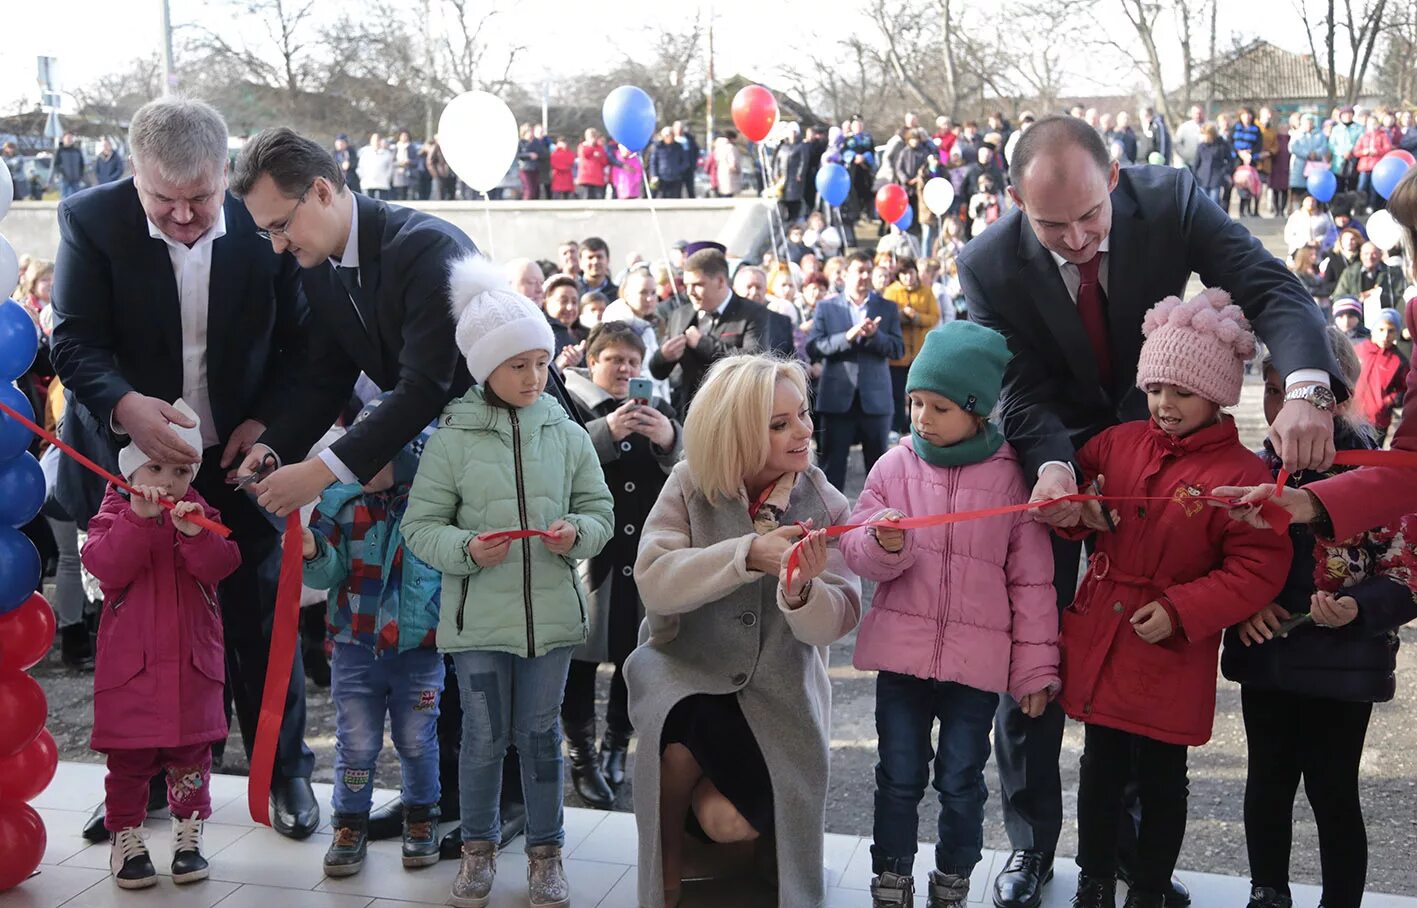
(714, 312)
(348, 259)
(192, 269)
(858, 313)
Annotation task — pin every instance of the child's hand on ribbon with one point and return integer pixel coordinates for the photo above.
(145, 502)
(1331, 611)
(1032, 705)
(307, 543)
(1152, 623)
(487, 553)
(889, 538)
(181, 510)
(811, 561)
(562, 538)
(1263, 625)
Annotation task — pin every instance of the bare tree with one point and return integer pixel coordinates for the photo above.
(110, 100)
(466, 61)
(1396, 67)
(1142, 15)
(1363, 23)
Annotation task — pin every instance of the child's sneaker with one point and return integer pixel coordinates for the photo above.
(129, 861)
(948, 890)
(188, 865)
(545, 877)
(420, 836)
(893, 890)
(347, 851)
(473, 886)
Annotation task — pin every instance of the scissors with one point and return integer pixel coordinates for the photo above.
(1097, 490)
(268, 464)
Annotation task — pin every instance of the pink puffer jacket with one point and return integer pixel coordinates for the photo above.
(969, 602)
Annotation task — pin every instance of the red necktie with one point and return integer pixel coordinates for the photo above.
(1092, 306)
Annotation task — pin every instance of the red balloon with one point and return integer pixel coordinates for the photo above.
(28, 773)
(1402, 153)
(24, 709)
(891, 202)
(22, 841)
(754, 112)
(26, 633)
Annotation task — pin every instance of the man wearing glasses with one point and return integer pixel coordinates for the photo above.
(162, 290)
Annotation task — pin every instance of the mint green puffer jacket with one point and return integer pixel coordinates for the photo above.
(489, 468)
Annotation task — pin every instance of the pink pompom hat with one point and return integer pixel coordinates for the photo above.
(1200, 345)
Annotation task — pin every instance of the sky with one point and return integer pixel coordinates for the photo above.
(97, 42)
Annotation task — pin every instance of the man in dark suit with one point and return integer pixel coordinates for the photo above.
(751, 283)
(163, 290)
(856, 334)
(717, 324)
(1067, 278)
(376, 277)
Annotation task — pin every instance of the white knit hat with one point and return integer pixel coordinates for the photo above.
(494, 322)
(132, 456)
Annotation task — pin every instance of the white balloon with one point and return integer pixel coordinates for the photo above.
(478, 135)
(939, 195)
(830, 239)
(9, 267)
(7, 190)
(1384, 230)
(810, 237)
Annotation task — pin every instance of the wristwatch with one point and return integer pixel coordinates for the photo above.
(1318, 395)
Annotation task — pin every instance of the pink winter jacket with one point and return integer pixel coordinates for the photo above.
(969, 602)
(161, 662)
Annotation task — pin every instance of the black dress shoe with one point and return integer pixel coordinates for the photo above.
(1095, 892)
(1020, 884)
(95, 831)
(613, 749)
(387, 821)
(76, 647)
(1175, 896)
(294, 812)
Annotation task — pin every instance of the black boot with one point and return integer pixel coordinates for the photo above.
(1265, 897)
(76, 647)
(1095, 892)
(1020, 884)
(585, 766)
(387, 822)
(1137, 899)
(613, 749)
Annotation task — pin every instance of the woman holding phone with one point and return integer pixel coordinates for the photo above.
(638, 441)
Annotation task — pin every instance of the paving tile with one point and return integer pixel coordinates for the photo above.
(164, 895)
(52, 887)
(63, 833)
(384, 877)
(614, 840)
(215, 840)
(265, 857)
(579, 824)
(251, 896)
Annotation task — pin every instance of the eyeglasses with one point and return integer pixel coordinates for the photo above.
(281, 232)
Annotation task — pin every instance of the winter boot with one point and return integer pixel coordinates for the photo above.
(1265, 897)
(1095, 892)
(76, 647)
(585, 766)
(1136, 899)
(188, 865)
(473, 886)
(613, 749)
(546, 884)
(893, 890)
(420, 836)
(948, 890)
(129, 861)
(351, 844)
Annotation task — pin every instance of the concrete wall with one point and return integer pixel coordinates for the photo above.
(509, 230)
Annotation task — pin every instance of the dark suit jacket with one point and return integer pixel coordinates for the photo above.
(855, 367)
(742, 328)
(118, 326)
(1163, 229)
(778, 335)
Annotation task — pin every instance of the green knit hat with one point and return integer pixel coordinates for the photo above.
(963, 361)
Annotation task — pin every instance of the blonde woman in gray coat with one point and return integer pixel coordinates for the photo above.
(729, 684)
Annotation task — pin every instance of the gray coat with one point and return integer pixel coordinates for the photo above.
(715, 627)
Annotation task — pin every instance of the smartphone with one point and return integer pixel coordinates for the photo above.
(641, 389)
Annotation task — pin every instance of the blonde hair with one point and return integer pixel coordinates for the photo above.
(726, 432)
(31, 275)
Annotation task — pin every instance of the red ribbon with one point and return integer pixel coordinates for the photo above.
(200, 520)
(278, 668)
(514, 534)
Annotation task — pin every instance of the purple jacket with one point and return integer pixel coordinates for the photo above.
(969, 602)
(161, 662)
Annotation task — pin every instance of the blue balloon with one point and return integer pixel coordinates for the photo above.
(1322, 185)
(21, 490)
(14, 438)
(1388, 174)
(906, 219)
(19, 569)
(833, 184)
(19, 340)
(629, 116)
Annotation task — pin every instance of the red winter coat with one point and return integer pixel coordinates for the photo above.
(1381, 384)
(161, 660)
(594, 165)
(1214, 571)
(562, 161)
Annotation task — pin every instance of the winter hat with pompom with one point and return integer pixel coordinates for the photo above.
(494, 322)
(1200, 345)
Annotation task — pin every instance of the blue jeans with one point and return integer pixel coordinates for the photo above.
(69, 187)
(507, 700)
(905, 709)
(1213, 194)
(364, 687)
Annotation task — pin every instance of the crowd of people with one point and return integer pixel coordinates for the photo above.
(538, 467)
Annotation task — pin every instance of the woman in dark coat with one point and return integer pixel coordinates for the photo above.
(638, 446)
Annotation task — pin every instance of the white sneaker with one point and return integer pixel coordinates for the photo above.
(129, 861)
(188, 865)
